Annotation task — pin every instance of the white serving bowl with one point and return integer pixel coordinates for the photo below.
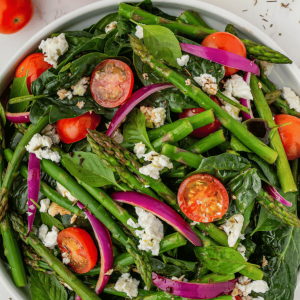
(283, 75)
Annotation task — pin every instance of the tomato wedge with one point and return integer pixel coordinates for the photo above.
(111, 83)
(79, 248)
(203, 198)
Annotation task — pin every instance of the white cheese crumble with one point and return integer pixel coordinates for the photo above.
(230, 109)
(237, 87)
(80, 104)
(45, 203)
(63, 93)
(66, 258)
(194, 223)
(245, 286)
(233, 228)
(242, 250)
(64, 192)
(188, 82)
(48, 237)
(128, 285)
(111, 26)
(53, 48)
(50, 131)
(139, 149)
(131, 223)
(155, 117)
(183, 60)
(117, 135)
(291, 98)
(266, 66)
(139, 33)
(208, 83)
(40, 146)
(81, 86)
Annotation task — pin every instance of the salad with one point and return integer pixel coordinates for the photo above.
(150, 157)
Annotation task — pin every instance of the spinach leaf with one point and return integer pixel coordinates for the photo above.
(134, 130)
(222, 260)
(184, 265)
(147, 5)
(164, 269)
(102, 23)
(117, 45)
(88, 168)
(245, 187)
(51, 221)
(162, 44)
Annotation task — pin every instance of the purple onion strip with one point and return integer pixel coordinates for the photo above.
(274, 193)
(17, 117)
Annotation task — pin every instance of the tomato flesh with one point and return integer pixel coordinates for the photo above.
(35, 65)
(78, 246)
(228, 42)
(111, 83)
(203, 198)
(75, 129)
(206, 130)
(289, 134)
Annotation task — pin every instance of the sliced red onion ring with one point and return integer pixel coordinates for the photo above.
(222, 57)
(274, 193)
(193, 290)
(17, 117)
(161, 210)
(134, 100)
(33, 181)
(105, 246)
(247, 102)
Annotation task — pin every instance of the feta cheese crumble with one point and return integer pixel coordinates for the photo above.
(117, 135)
(242, 250)
(55, 209)
(48, 238)
(128, 285)
(188, 82)
(245, 286)
(81, 86)
(230, 109)
(139, 33)
(63, 93)
(131, 223)
(233, 228)
(291, 98)
(66, 258)
(53, 48)
(208, 83)
(155, 117)
(139, 149)
(64, 192)
(80, 104)
(50, 131)
(111, 26)
(237, 87)
(266, 66)
(183, 60)
(45, 203)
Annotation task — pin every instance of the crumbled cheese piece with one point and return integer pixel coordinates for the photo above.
(131, 223)
(233, 228)
(63, 93)
(37, 145)
(128, 285)
(265, 262)
(188, 82)
(66, 258)
(53, 48)
(117, 135)
(45, 203)
(181, 278)
(139, 149)
(43, 231)
(56, 209)
(194, 223)
(230, 109)
(266, 66)
(111, 26)
(291, 98)
(109, 272)
(81, 86)
(259, 85)
(237, 87)
(64, 192)
(183, 60)
(80, 104)
(155, 117)
(245, 286)
(48, 237)
(242, 250)
(139, 32)
(50, 131)
(258, 298)
(152, 233)
(208, 83)
(145, 76)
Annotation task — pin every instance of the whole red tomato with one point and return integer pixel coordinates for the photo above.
(35, 65)
(206, 130)
(75, 129)
(14, 15)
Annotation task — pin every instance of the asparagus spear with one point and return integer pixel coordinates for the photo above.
(200, 97)
(272, 96)
(230, 28)
(232, 102)
(283, 167)
(192, 18)
(214, 278)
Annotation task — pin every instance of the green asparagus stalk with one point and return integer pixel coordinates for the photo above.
(179, 172)
(211, 278)
(192, 18)
(207, 241)
(283, 167)
(15, 163)
(197, 121)
(272, 96)
(232, 102)
(236, 145)
(68, 277)
(200, 97)
(161, 295)
(137, 14)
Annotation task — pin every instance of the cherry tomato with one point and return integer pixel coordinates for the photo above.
(112, 83)
(35, 65)
(226, 41)
(75, 129)
(79, 248)
(14, 15)
(206, 130)
(290, 135)
(203, 198)
(236, 297)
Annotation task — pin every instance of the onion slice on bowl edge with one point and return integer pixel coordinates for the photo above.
(159, 209)
(274, 193)
(247, 102)
(192, 290)
(134, 100)
(33, 181)
(105, 246)
(17, 117)
(222, 57)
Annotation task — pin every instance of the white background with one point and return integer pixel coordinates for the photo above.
(285, 29)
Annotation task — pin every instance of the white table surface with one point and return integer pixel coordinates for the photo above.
(282, 25)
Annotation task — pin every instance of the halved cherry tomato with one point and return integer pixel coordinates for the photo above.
(228, 42)
(236, 297)
(35, 65)
(206, 130)
(290, 135)
(203, 198)
(79, 248)
(14, 15)
(112, 83)
(75, 129)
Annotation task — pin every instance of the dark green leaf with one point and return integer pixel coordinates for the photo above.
(164, 269)
(147, 5)
(184, 265)
(101, 24)
(116, 45)
(51, 221)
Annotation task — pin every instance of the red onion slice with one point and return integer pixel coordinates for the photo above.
(161, 210)
(247, 102)
(274, 193)
(17, 117)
